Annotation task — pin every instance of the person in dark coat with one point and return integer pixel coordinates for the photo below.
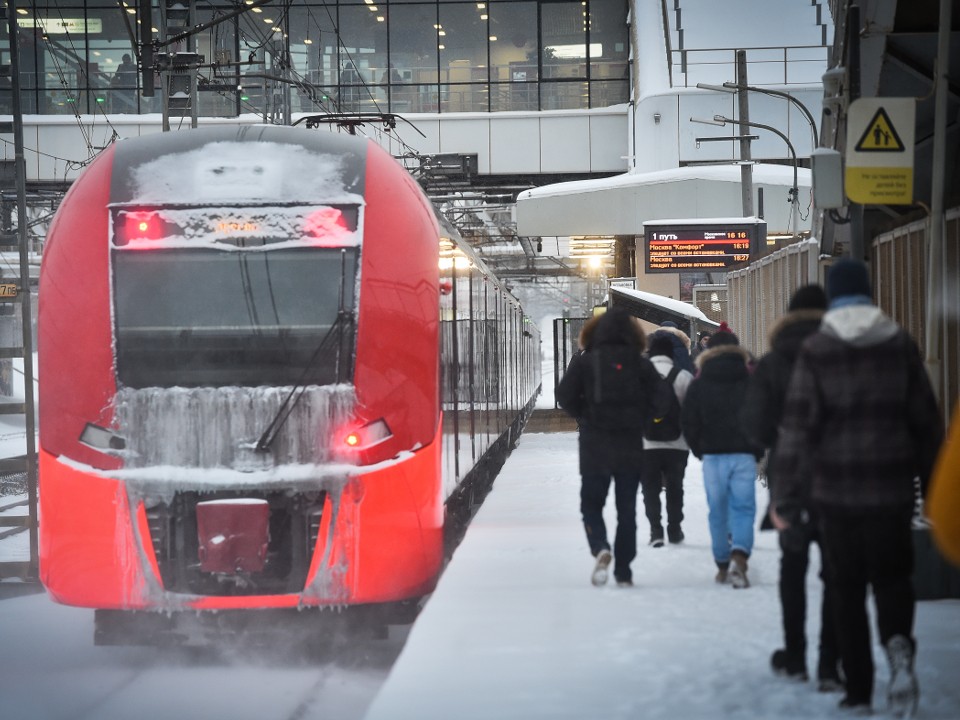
(681, 345)
(611, 422)
(860, 425)
(760, 418)
(702, 338)
(710, 421)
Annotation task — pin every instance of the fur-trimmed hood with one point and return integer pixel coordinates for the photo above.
(713, 353)
(789, 332)
(678, 333)
(629, 332)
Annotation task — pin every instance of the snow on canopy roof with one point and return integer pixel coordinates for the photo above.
(706, 221)
(675, 306)
(764, 173)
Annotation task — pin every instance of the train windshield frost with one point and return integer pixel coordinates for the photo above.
(207, 315)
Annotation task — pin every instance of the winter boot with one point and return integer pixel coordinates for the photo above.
(854, 707)
(828, 674)
(738, 570)
(793, 667)
(656, 537)
(674, 534)
(601, 569)
(903, 693)
(723, 569)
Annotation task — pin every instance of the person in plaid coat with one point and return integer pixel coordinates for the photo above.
(860, 425)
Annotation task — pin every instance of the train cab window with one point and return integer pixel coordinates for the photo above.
(209, 317)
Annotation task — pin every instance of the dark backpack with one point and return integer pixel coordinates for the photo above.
(614, 392)
(666, 427)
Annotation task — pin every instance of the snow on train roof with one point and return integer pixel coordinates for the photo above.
(226, 171)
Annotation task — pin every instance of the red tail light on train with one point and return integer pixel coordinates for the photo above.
(325, 223)
(136, 226)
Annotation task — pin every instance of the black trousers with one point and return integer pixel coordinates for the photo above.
(862, 549)
(663, 468)
(794, 562)
(593, 495)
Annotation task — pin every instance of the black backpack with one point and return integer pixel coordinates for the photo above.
(666, 427)
(614, 392)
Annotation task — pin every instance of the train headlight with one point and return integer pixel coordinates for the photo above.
(366, 436)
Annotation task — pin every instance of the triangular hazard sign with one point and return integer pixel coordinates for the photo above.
(880, 135)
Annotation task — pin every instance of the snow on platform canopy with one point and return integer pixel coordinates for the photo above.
(657, 308)
(621, 204)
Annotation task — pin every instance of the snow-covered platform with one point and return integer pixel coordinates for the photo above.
(516, 630)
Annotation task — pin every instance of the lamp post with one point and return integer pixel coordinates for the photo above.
(729, 87)
(721, 121)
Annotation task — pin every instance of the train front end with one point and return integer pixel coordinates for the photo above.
(238, 360)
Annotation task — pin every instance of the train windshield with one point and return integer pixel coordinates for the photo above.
(206, 317)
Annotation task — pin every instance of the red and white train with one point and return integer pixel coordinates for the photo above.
(263, 385)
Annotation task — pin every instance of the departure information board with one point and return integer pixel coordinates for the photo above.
(700, 246)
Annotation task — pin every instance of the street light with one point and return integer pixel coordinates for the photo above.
(721, 121)
(733, 88)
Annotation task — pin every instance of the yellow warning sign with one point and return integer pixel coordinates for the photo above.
(880, 135)
(880, 148)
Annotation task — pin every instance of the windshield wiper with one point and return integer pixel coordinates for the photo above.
(337, 332)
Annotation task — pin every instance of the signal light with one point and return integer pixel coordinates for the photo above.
(327, 226)
(135, 226)
(367, 435)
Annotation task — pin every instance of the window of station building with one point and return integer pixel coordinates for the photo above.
(609, 53)
(363, 57)
(514, 69)
(566, 52)
(313, 57)
(217, 85)
(414, 38)
(462, 42)
(352, 53)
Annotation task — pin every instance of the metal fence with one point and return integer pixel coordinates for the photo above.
(711, 300)
(900, 287)
(758, 295)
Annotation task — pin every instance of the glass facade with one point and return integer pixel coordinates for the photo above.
(348, 56)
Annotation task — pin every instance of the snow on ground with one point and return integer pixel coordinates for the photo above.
(516, 630)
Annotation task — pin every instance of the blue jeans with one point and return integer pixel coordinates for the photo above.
(730, 483)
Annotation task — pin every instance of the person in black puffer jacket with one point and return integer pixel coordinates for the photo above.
(609, 388)
(760, 417)
(711, 426)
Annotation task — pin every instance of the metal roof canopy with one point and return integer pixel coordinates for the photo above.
(657, 309)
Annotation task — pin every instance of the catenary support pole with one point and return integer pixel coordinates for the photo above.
(936, 264)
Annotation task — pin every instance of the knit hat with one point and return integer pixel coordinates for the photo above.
(808, 297)
(669, 324)
(723, 336)
(848, 276)
(660, 343)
